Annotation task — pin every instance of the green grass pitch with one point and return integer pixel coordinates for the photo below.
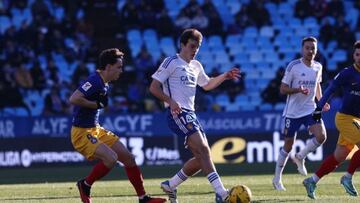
(58, 185)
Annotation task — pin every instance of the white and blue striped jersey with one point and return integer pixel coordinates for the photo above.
(180, 79)
(297, 74)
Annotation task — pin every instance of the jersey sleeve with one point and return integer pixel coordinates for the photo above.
(338, 81)
(164, 71)
(89, 87)
(319, 78)
(288, 76)
(203, 78)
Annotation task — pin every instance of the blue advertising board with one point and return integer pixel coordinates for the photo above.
(147, 125)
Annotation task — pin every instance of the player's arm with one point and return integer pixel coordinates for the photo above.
(233, 74)
(156, 90)
(78, 98)
(286, 89)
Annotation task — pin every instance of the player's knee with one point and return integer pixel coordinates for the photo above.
(111, 160)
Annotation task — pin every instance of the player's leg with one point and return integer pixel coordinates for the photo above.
(326, 167)
(190, 168)
(350, 126)
(317, 128)
(199, 146)
(86, 141)
(289, 134)
(133, 172)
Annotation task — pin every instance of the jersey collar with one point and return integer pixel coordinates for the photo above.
(357, 67)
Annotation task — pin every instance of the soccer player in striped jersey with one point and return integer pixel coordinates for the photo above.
(175, 84)
(93, 141)
(301, 83)
(347, 121)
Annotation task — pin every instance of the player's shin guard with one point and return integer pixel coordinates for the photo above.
(99, 171)
(136, 179)
(327, 166)
(354, 163)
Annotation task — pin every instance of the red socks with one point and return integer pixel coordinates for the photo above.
(99, 171)
(354, 163)
(327, 166)
(136, 179)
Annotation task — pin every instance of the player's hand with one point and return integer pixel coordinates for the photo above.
(175, 107)
(317, 114)
(326, 107)
(233, 74)
(304, 90)
(102, 101)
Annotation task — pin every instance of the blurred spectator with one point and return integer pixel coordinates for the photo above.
(164, 24)
(182, 22)
(242, 20)
(54, 105)
(136, 95)
(10, 94)
(200, 21)
(23, 77)
(38, 76)
(303, 9)
(144, 64)
(130, 15)
(319, 8)
(81, 72)
(147, 16)
(258, 14)
(271, 94)
(327, 32)
(335, 8)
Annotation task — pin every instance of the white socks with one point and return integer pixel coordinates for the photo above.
(309, 147)
(177, 179)
(280, 164)
(215, 181)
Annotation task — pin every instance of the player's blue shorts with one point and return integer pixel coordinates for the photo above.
(292, 125)
(184, 124)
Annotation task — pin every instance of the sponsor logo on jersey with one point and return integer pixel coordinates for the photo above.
(92, 139)
(86, 86)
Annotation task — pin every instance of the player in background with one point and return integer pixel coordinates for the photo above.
(175, 84)
(95, 142)
(301, 83)
(347, 121)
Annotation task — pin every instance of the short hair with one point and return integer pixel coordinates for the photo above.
(109, 56)
(308, 39)
(357, 45)
(193, 34)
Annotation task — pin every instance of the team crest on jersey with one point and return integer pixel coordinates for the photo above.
(92, 139)
(86, 86)
(189, 126)
(189, 119)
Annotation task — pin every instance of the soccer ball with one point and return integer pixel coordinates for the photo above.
(239, 194)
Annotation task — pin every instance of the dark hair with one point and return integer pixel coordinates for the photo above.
(357, 45)
(109, 56)
(193, 34)
(308, 39)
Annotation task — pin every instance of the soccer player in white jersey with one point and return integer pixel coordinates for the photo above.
(301, 83)
(175, 84)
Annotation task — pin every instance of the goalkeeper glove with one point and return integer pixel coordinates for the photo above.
(317, 114)
(102, 101)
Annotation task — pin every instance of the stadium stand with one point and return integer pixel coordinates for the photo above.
(48, 40)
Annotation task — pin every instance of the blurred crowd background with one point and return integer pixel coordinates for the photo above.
(48, 46)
